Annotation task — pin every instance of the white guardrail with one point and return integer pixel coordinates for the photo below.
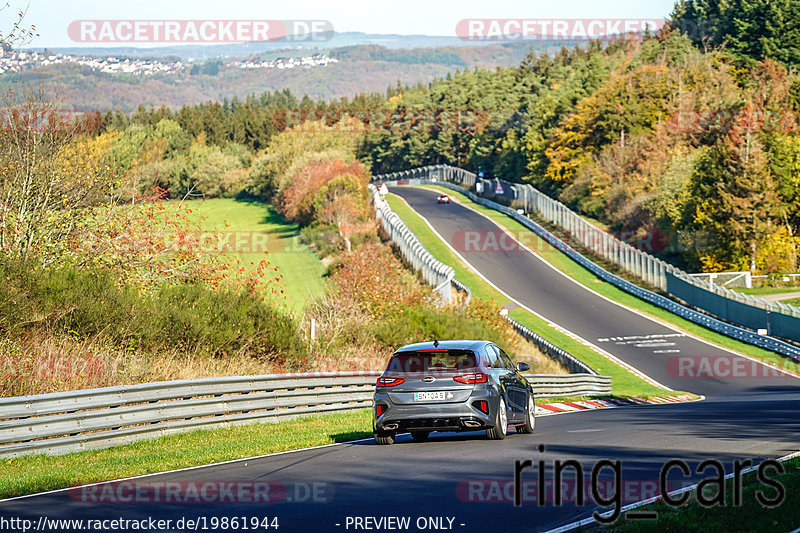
(648, 268)
(90, 419)
(433, 271)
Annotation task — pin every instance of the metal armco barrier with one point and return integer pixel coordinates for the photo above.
(460, 287)
(750, 316)
(90, 419)
(569, 385)
(98, 418)
(567, 360)
(433, 271)
(648, 268)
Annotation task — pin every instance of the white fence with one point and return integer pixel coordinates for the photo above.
(432, 270)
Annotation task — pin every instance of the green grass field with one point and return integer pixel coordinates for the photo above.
(37, 473)
(758, 291)
(301, 269)
(761, 291)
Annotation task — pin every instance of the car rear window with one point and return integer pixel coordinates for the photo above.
(431, 361)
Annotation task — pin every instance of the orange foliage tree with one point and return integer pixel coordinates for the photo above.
(370, 279)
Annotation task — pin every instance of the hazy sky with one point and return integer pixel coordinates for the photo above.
(430, 17)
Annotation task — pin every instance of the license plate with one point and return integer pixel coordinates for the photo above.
(427, 396)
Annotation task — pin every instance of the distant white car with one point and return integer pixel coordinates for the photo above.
(443, 199)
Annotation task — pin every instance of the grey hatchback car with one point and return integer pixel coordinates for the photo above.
(459, 385)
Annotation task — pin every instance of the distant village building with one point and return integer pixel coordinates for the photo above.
(13, 61)
(317, 60)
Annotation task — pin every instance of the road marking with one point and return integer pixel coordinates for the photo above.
(604, 353)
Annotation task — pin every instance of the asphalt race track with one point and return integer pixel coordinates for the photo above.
(643, 343)
(444, 484)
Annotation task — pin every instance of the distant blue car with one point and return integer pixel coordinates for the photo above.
(462, 385)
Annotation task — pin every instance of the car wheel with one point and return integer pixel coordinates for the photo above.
(530, 417)
(420, 436)
(384, 438)
(498, 432)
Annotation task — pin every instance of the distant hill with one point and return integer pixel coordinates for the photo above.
(360, 69)
(215, 51)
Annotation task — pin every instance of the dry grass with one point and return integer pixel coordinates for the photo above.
(42, 363)
(343, 341)
(527, 352)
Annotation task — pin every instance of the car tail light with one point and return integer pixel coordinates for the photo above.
(390, 382)
(482, 405)
(471, 379)
(379, 409)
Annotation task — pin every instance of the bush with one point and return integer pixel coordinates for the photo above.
(190, 317)
(324, 239)
(371, 277)
(425, 323)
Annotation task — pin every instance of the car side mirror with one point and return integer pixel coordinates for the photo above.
(523, 367)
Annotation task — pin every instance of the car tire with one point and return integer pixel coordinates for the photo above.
(530, 417)
(384, 438)
(498, 432)
(420, 436)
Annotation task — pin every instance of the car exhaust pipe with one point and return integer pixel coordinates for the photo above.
(390, 427)
(472, 424)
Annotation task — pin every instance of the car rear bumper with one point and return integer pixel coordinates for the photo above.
(464, 423)
(456, 416)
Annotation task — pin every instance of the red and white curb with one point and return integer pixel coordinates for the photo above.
(585, 405)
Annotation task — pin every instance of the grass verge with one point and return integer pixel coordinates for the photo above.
(749, 516)
(583, 276)
(623, 382)
(38, 473)
(301, 269)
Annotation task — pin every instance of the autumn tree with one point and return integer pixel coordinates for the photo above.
(735, 197)
(297, 200)
(49, 174)
(343, 202)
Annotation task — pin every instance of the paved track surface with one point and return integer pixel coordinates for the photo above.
(647, 345)
(741, 419)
